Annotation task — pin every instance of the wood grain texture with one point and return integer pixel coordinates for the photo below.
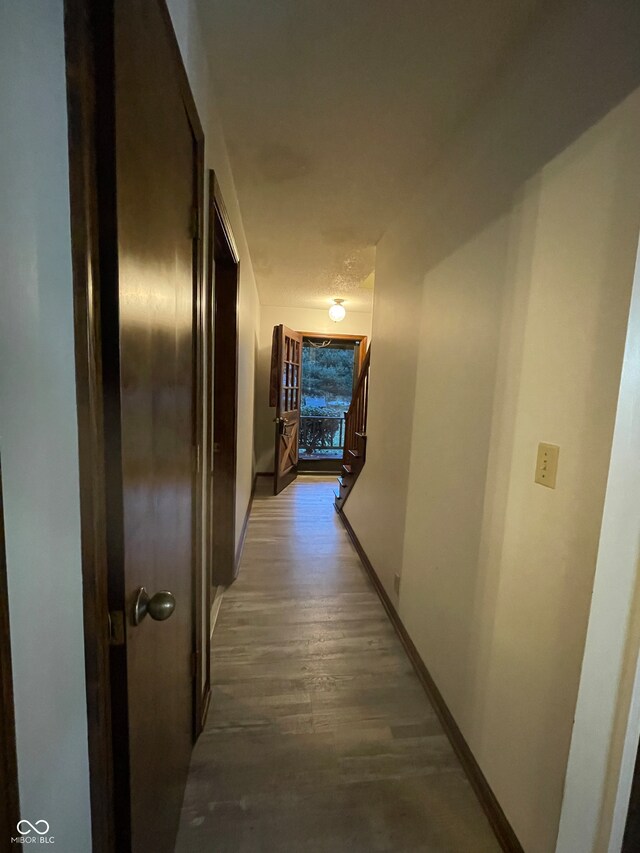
(320, 736)
(92, 76)
(288, 346)
(158, 172)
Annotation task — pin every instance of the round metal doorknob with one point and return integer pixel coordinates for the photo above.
(159, 607)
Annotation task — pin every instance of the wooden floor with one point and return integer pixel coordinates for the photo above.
(319, 737)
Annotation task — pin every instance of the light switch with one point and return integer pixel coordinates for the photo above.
(547, 464)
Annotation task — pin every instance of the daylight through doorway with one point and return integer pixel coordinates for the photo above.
(329, 373)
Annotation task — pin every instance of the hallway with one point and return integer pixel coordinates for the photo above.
(319, 736)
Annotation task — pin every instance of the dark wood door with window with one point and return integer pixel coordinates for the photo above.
(153, 548)
(286, 362)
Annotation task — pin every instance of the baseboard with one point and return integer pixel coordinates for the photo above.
(243, 532)
(497, 818)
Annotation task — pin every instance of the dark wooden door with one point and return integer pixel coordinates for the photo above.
(156, 188)
(287, 361)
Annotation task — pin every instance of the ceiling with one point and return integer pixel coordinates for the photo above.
(331, 109)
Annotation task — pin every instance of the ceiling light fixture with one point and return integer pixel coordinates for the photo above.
(337, 311)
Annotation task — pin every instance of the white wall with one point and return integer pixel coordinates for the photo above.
(38, 429)
(301, 320)
(496, 593)
(502, 295)
(189, 33)
(607, 724)
(579, 61)
(381, 490)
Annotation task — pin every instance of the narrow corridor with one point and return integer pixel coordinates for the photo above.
(319, 736)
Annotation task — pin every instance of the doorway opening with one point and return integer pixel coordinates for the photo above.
(222, 390)
(330, 370)
(315, 377)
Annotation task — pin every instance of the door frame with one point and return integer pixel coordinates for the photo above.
(10, 801)
(221, 319)
(322, 336)
(89, 45)
(332, 466)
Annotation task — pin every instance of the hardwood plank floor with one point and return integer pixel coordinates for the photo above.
(320, 737)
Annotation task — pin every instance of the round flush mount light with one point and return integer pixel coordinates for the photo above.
(337, 311)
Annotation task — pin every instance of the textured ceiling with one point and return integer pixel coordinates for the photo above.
(331, 109)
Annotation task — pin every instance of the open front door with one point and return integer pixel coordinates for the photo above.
(286, 360)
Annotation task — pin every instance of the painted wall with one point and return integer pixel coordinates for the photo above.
(38, 429)
(579, 61)
(521, 341)
(302, 320)
(381, 490)
(189, 33)
(503, 294)
(604, 743)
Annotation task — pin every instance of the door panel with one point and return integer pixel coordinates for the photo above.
(287, 359)
(155, 179)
